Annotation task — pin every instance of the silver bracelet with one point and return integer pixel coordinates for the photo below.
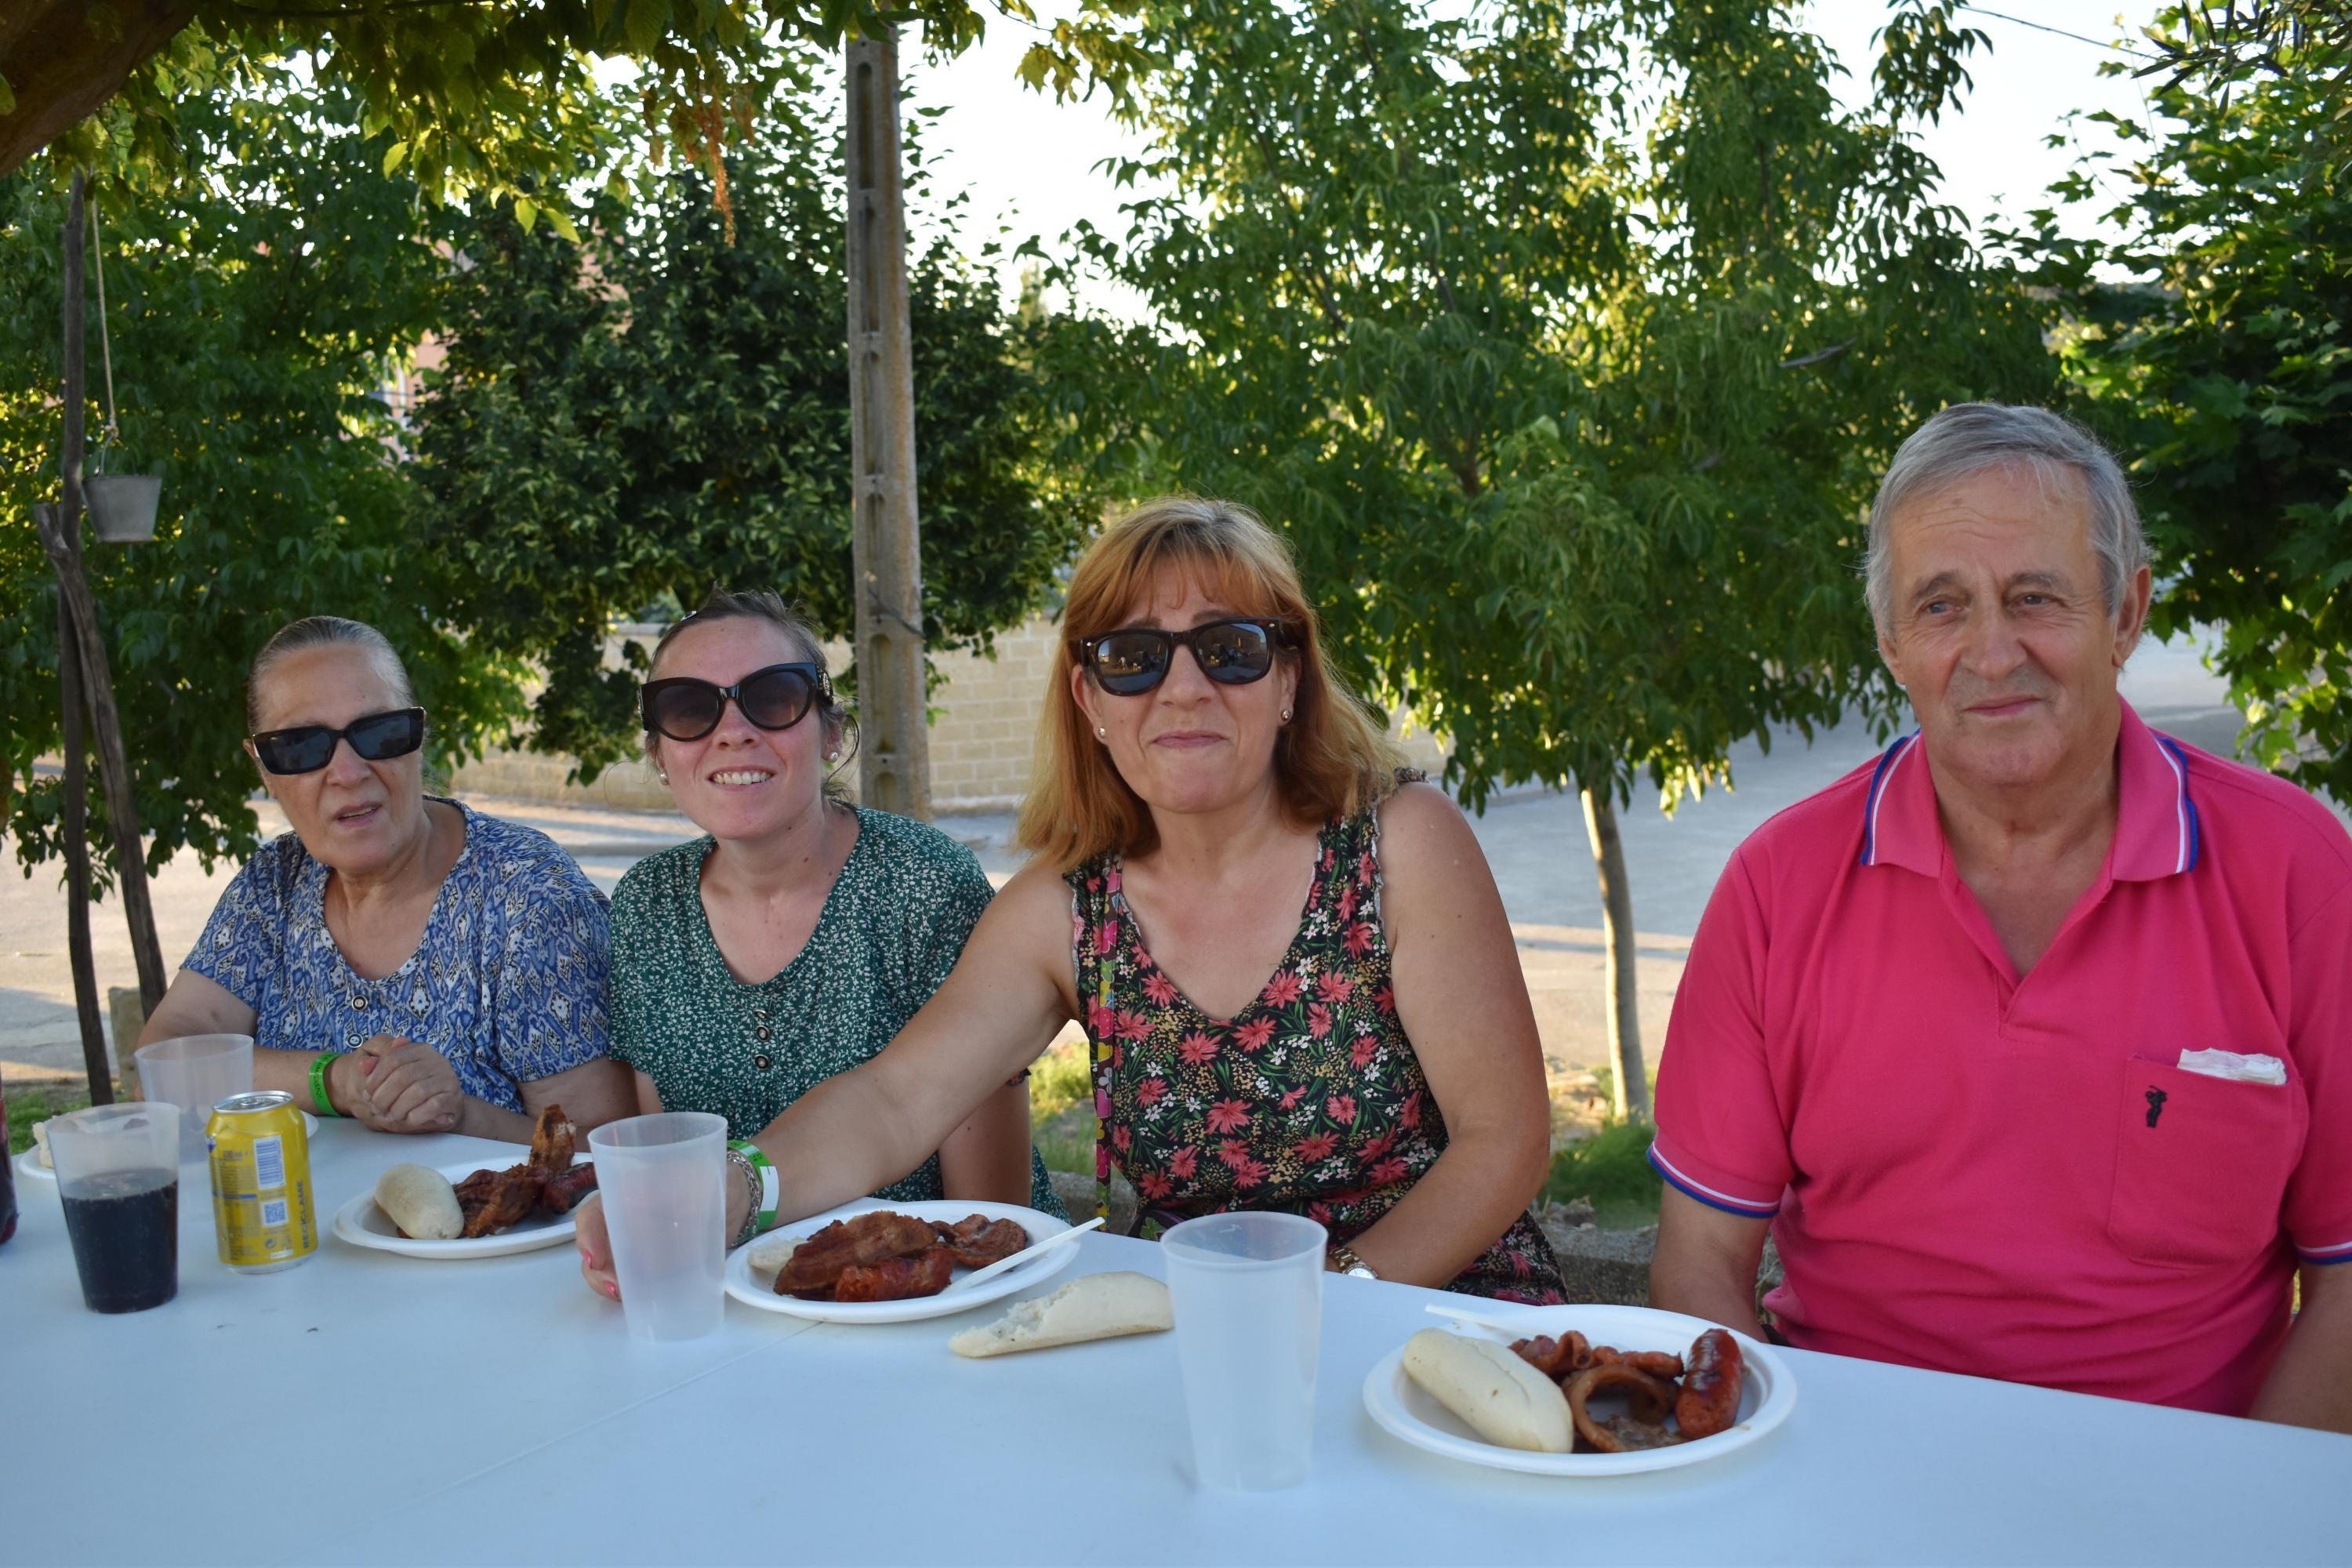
(742, 1166)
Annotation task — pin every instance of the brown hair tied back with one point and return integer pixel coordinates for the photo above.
(324, 631)
(763, 604)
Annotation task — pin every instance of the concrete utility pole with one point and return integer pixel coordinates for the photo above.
(887, 558)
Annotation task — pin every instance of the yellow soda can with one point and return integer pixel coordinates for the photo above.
(260, 1157)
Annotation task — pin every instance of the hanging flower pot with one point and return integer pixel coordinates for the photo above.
(123, 506)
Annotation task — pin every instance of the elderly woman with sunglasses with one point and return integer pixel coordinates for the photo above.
(1290, 960)
(398, 958)
(793, 940)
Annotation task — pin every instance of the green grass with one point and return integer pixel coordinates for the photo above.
(31, 1102)
(1062, 1110)
(1612, 1168)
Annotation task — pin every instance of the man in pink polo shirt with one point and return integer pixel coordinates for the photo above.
(2030, 1040)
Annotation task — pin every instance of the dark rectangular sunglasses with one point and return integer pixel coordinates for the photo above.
(1131, 661)
(775, 698)
(307, 748)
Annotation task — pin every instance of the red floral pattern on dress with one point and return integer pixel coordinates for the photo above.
(1309, 1101)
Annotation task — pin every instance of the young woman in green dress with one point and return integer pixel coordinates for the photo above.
(800, 933)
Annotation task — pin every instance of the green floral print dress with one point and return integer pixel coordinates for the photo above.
(891, 930)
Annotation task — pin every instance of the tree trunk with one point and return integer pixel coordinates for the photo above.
(1631, 1100)
(893, 765)
(61, 536)
(73, 830)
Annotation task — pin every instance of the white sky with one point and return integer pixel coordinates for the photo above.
(1029, 163)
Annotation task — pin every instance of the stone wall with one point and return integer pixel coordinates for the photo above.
(980, 741)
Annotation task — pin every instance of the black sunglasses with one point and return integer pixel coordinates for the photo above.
(1134, 660)
(776, 697)
(307, 748)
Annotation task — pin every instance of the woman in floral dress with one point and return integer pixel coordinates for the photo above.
(1289, 956)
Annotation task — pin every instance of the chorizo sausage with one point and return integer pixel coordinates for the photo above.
(1710, 1401)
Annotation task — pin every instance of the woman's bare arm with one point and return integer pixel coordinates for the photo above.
(1009, 994)
(1463, 1004)
(988, 1157)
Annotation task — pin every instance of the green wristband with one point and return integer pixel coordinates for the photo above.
(319, 1067)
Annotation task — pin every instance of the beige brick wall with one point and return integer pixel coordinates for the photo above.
(980, 741)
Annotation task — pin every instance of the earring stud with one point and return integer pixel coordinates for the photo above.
(1285, 715)
(1101, 733)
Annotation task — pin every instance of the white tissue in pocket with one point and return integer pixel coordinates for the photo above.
(2235, 1068)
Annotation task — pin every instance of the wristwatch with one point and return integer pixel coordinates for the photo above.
(762, 1212)
(1344, 1259)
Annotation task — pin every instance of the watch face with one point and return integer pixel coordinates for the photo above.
(1361, 1272)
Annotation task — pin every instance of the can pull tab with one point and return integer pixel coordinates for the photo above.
(2155, 1098)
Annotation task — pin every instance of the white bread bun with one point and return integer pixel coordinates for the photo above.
(1503, 1399)
(1093, 1307)
(421, 1202)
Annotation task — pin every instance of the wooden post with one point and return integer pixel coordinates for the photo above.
(73, 831)
(885, 551)
(1632, 1100)
(62, 537)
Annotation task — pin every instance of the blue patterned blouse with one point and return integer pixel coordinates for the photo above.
(508, 982)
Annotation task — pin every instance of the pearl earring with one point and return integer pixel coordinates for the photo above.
(661, 776)
(1285, 715)
(1101, 733)
(833, 756)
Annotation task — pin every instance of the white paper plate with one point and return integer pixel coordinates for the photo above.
(1408, 1411)
(28, 1166)
(752, 1270)
(362, 1224)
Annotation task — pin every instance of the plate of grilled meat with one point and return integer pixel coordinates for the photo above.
(473, 1209)
(892, 1263)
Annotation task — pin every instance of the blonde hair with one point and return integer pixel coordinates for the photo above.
(1332, 759)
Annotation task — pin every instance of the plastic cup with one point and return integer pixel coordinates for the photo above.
(1248, 1295)
(664, 1181)
(119, 1176)
(195, 1072)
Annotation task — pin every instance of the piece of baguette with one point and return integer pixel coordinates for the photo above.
(1503, 1399)
(1096, 1307)
(421, 1202)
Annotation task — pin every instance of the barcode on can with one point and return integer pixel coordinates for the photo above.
(273, 1212)
(270, 1162)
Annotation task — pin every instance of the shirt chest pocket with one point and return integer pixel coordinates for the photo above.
(2201, 1166)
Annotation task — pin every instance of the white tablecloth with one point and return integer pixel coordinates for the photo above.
(372, 1408)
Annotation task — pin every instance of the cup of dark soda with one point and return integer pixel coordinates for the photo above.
(119, 1177)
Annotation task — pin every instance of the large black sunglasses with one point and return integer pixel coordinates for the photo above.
(307, 748)
(775, 698)
(1135, 659)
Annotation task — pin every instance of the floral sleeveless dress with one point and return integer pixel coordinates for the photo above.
(1308, 1100)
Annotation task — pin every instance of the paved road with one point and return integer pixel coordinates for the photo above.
(1535, 842)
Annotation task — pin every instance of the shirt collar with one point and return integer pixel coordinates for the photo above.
(2157, 832)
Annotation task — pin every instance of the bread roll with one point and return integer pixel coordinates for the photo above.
(1095, 1307)
(421, 1202)
(1503, 1399)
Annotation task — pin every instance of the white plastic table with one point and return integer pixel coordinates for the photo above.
(372, 1408)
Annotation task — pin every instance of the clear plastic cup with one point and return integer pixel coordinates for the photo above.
(664, 1182)
(195, 1072)
(1248, 1295)
(119, 1176)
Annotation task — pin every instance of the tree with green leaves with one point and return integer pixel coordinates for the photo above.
(253, 324)
(475, 99)
(1566, 342)
(2212, 343)
(656, 412)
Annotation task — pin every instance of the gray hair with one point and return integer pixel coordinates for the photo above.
(1969, 438)
(323, 631)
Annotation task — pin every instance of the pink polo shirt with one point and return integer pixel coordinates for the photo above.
(2014, 1178)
